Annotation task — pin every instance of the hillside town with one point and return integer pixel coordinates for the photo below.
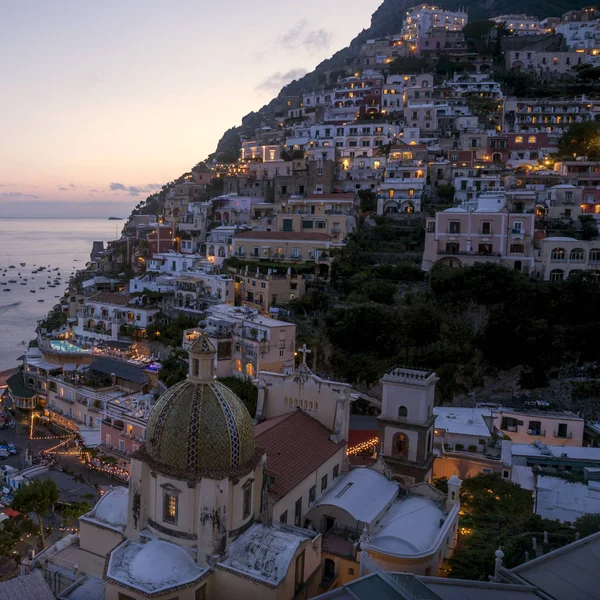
(272, 373)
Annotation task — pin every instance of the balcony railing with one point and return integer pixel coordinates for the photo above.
(539, 432)
(565, 436)
(469, 253)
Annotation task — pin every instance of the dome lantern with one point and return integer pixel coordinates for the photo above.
(202, 360)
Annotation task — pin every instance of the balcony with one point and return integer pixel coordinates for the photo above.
(567, 435)
(467, 253)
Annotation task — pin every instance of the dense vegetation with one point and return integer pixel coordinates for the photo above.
(465, 323)
(498, 514)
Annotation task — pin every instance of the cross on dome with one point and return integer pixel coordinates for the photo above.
(304, 350)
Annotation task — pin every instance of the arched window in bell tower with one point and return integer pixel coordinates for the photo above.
(402, 413)
(400, 446)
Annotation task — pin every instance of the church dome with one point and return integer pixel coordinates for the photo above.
(200, 427)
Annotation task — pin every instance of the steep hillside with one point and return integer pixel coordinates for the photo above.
(386, 20)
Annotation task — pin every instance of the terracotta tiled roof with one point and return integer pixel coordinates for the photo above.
(111, 298)
(283, 235)
(295, 446)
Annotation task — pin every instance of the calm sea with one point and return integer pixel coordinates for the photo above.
(62, 243)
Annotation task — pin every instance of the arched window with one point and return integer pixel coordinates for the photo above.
(285, 401)
(497, 157)
(595, 255)
(400, 446)
(402, 412)
(221, 252)
(557, 275)
(532, 139)
(519, 139)
(250, 370)
(211, 250)
(577, 255)
(558, 255)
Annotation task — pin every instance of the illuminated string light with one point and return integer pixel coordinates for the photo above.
(362, 447)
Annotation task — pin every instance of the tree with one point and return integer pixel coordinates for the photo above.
(368, 200)
(589, 227)
(581, 139)
(477, 29)
(38, 498)
(445, 192)
(587, 524)
(72, 512)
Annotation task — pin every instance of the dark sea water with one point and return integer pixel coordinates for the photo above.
(63, 243)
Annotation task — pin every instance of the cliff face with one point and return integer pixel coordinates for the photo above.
(387, 20)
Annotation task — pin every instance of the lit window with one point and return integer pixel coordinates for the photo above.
(238, 365)
(170, 508)
(250, 370)
(532, 139)
(519, 139)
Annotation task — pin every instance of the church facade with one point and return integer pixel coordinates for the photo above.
(193, 524)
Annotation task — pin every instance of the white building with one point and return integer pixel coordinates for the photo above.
(459, 429)
(414, 532)
(474, 85)
(101, 316)
(421, 20)
(172, 263)
(582, 35)
(520, 24)
(565, 501)
(358, 136)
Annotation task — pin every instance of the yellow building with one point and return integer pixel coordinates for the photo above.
(333, 214)
(263, 290)
(287, 246)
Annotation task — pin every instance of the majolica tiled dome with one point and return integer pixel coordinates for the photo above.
(200, 426)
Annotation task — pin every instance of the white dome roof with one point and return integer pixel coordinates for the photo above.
(159, 563)
(111, 509)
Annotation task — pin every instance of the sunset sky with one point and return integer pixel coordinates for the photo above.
(104, 101)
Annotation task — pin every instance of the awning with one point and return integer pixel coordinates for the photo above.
(40, 363)
(91, 437)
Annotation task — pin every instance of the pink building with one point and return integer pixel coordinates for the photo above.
(482, 231)
(160, 240)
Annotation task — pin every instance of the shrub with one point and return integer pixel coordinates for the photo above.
(472, 448)
(459, 447)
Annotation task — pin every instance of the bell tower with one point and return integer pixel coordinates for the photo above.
(406, 424)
